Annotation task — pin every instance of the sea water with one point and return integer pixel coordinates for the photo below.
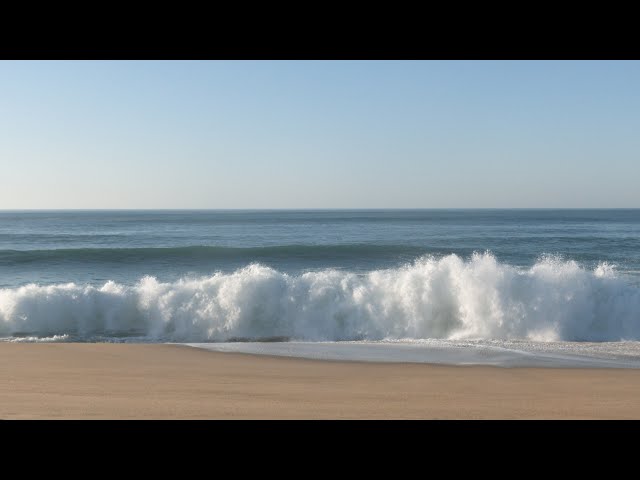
(505, 287)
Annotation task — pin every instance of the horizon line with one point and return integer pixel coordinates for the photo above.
(307, 209)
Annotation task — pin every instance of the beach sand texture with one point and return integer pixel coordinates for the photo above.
(154, 381)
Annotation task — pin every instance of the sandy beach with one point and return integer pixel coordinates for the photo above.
(146, 381)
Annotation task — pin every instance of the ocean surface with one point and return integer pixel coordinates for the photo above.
(504, 287)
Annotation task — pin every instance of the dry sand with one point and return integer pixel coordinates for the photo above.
(118, 381)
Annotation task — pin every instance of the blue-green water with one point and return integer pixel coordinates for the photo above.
(95, 246)
(321, 275)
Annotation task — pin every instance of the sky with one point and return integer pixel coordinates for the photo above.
(319, 134)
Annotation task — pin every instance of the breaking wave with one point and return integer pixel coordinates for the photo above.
(447, 298)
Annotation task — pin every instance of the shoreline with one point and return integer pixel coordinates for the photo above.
(439, 352)
(164, 381)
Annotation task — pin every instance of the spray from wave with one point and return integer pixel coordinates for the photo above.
(447, 298)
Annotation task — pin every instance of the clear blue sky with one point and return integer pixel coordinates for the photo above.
(341, 134)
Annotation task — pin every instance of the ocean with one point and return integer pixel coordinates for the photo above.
(504, 287)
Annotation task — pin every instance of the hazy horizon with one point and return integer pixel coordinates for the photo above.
(316, 135)
(301, 209)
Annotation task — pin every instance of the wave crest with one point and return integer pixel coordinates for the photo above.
(445, 298)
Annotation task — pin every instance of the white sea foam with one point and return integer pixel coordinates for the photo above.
(445, 298)
(54, 339)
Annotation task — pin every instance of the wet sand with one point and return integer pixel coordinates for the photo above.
(142, 381)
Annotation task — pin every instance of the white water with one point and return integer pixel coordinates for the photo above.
(446, 298)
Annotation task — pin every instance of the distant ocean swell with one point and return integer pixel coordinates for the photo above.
(447, 298)
(96, 255)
